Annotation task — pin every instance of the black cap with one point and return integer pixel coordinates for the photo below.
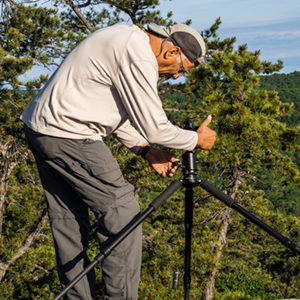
(188, 39)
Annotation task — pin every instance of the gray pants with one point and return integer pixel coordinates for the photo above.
(78, 175)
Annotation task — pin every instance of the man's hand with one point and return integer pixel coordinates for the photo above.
(161, 161)
(206, 136)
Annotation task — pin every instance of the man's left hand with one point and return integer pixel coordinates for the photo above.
(161, 161)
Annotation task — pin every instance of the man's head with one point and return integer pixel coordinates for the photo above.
(177, 48)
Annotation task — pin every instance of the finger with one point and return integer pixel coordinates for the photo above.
(206, 121)
(170, 174)
(172, 171)
(172, 167)
(174, 163)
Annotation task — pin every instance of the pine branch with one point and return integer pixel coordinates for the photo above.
(6, 168)
(28, 243)
(84, 4)
(13, 3)
(167, 89)
(131, 14)
(84, 20)
(39, 276)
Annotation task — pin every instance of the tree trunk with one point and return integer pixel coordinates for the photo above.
(6, 167)
(210, 285)
(225, 215)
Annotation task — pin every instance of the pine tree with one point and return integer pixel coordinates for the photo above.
(246, 120)
(37, 36)
(248, 134)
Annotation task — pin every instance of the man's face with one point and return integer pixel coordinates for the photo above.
(172, 62)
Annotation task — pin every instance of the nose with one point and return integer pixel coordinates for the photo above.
(175, 76)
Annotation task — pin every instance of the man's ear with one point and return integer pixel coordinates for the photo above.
(172, 51)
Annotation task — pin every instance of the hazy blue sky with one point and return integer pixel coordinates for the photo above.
(272, 26)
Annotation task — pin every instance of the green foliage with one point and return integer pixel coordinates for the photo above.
(246, 286)
(250, 131)
(250, 135)
(41, 32)
(36, 35)
(245, 118)
(287, 86)
(284, 195)
(27, 253)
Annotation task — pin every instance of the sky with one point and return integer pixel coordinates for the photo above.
(271, 26)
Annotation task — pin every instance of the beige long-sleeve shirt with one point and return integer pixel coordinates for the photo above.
(108, 80)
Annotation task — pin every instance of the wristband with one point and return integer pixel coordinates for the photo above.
(145, 151)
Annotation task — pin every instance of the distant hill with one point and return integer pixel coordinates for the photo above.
(288, 88)
(283, 195)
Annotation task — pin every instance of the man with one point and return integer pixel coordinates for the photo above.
(108, 81)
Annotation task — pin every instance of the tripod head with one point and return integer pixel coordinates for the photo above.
(189, 161)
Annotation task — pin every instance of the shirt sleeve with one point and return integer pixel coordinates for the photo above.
(130, 137)
(137, 87)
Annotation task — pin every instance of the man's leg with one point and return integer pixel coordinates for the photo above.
(94, 175)
(121, 269)
(70, 229)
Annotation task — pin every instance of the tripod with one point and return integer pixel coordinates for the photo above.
(189, 181)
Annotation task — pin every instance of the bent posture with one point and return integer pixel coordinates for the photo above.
(108, 81)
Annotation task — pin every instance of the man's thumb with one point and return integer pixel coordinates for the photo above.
(206, 121)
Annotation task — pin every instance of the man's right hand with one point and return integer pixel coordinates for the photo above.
(206, 136)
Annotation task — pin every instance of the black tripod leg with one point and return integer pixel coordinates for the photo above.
(234, 205)
(189, 193)
(115, 240)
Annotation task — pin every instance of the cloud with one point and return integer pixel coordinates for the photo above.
(290, 26)
(277, 40)
(277, 35)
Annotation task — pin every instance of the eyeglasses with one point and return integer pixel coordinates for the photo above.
(182, 70)
(199, 61)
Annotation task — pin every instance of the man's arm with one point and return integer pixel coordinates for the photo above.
(160, 160)
(163, 162)
(130, 137)
(136, 85)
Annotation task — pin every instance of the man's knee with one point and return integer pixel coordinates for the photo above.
(119, 215)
